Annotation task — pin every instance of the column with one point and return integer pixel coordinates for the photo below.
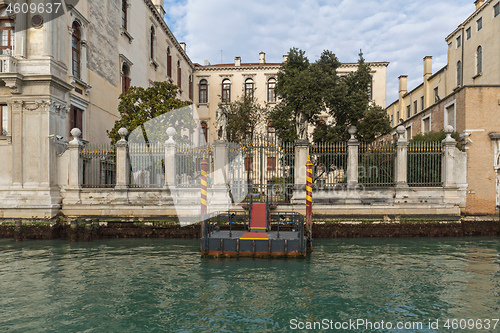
(170, 151)
(122, 165)
(401, 165)
(352, 158)
(75, 173)
(301, 157)
(449, 147)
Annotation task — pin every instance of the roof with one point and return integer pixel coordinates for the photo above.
(460, 26)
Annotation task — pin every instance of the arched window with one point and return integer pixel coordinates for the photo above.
(459, 73)
(479, 59)
(249, 88)
(169, 62)
(204, 133)
(125, 77)
(152, 43)
(226, 91)
(7, 33)
(271, 94)
(76, 49)
(179, 75)
(203, 91)
(124, 14)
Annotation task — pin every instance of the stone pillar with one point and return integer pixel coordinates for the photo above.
(122, 164)
(75, 147)
(221, 161)
(170, 151)
(220, 200)
(352, 158)
(301, 157)
(401, 165)
(449, 149)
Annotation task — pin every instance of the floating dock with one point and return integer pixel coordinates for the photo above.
(256, 233)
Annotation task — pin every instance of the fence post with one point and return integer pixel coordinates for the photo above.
(449, 158)
(221, 161)
(170, 151)
(352, 158)
(75, 148)
(301, 154)
(122, 165)
(401, 165)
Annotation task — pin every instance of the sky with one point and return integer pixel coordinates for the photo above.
(399, 32)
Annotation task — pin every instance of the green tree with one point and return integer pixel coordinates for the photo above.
(300, 92)
(244, 115)
(143, 108)
(349, 104)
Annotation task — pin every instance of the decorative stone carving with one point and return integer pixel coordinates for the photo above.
(14, 84)
(222, 115)
(301, 126)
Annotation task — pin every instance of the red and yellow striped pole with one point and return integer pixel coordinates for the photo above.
(309, 166)
(204, 169)
(204, 229)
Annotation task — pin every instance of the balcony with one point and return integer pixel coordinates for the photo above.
(8, 64)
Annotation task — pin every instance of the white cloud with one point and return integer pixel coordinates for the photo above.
(401, 32)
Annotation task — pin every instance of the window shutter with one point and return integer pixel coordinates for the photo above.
(71, 118)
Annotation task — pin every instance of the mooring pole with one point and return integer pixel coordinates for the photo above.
(204, 236)
(309, 166)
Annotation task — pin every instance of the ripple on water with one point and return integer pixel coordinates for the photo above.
(163, 285)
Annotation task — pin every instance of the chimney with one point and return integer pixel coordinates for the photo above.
(237, 61)
(427, 74)
(478, 3)
(159, 6)
(285, 57)
(183, 46)
(262, 58)
(403, 84)
(206, 63)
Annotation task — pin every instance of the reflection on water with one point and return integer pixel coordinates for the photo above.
(163, 285)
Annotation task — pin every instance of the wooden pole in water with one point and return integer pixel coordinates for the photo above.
(309, 166)
(204, 169)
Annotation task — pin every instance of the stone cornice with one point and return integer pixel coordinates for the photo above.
(238, 68)
(166, 29)
(264, 67)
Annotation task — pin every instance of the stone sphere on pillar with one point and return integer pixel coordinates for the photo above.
(352, 130)
(76, 133)
(448, 129)
(401, 130)
(123, 132)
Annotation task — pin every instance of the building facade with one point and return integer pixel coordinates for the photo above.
(466, 95)
(225, 83)
(61, 72)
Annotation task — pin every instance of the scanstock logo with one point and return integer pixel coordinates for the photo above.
(37, 12)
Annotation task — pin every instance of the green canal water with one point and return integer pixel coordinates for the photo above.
(138, 285)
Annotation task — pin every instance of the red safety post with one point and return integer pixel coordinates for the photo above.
(204, 169)
(309, 167)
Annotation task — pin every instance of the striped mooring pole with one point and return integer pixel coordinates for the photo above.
(204, 169)
(309, 166)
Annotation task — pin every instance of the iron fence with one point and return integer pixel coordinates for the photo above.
(329, 163)
(99, 165)
(424, 163)
(269, 168)
(187, 165)
(147, 165)
(376, 164)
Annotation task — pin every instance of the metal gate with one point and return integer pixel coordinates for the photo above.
(269, 168)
